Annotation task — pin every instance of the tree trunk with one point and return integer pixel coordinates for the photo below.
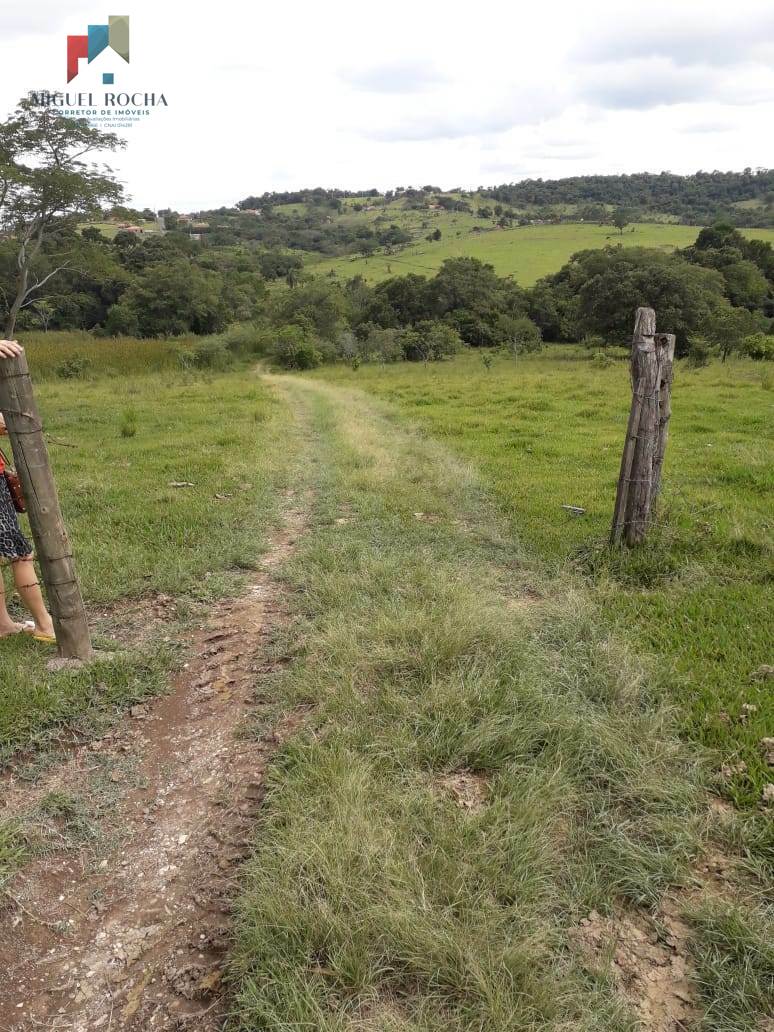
(18, 301)
(17, 403)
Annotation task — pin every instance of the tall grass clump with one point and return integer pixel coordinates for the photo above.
(75, 355)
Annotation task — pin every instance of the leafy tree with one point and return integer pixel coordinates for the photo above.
(747, 266)
(318, 306)
(746, 285)
(606, 286)
(698, 351)
(553, 306)
(621, 219)
(175, 298)
(727, 328)
(277, 265)
(122, 320)
(383, 345)
(430, 341)
(393, 237)
(521, 334)
(45, 180)
(759, 346)
(400, 301)
(294, 349)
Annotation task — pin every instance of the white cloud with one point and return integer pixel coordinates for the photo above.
(41, 18)
(427, 93)
(709, 40)
(645, 83)
(396, 77)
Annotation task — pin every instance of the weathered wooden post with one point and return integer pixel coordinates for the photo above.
(17, 403)
(665, 350)
(647, 432)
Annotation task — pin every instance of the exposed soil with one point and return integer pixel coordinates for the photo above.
(131, 932)
(649, 962)
(468, 789)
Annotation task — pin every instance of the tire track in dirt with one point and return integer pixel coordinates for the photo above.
(136, 938)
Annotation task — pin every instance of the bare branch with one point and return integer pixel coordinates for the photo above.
(42, 283)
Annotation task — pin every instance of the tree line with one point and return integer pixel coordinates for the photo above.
(713, 295)
(717, 295)
(697, 199)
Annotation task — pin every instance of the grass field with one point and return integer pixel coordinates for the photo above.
(527, 253)
(118, 442)
(486, 758)
(548, 431)
(482, 765)
(109, 229)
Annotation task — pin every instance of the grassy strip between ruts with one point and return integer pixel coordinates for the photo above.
(440, 662)
(117, 446)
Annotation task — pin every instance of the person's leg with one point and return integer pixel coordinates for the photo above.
(28, 587)
(7, 625)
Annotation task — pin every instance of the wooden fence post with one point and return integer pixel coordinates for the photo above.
(665, 349)
(644, 329)
(17, 403)
(647, 432)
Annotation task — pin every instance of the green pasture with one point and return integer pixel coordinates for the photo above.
(453, 630)
(527, 252)
(109, 229)
(480, 764)
(547, 431)
(168, 481)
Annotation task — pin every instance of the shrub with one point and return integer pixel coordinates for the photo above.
(73, 368)
(759, 346)
(245, 338)
(207, 353)
(292, 349)
(121, 321)
(699, 351)
(594, 342)
(523, 336)
(347, 346)
(383, 345)
(430, 341)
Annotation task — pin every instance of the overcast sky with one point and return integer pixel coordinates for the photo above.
(357, 95)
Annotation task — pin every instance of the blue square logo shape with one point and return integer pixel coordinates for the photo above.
(107, 79)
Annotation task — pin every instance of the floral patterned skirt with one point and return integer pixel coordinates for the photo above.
(13, 544)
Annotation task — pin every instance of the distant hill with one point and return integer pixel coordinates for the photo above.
(745, 198)
(524, 229)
